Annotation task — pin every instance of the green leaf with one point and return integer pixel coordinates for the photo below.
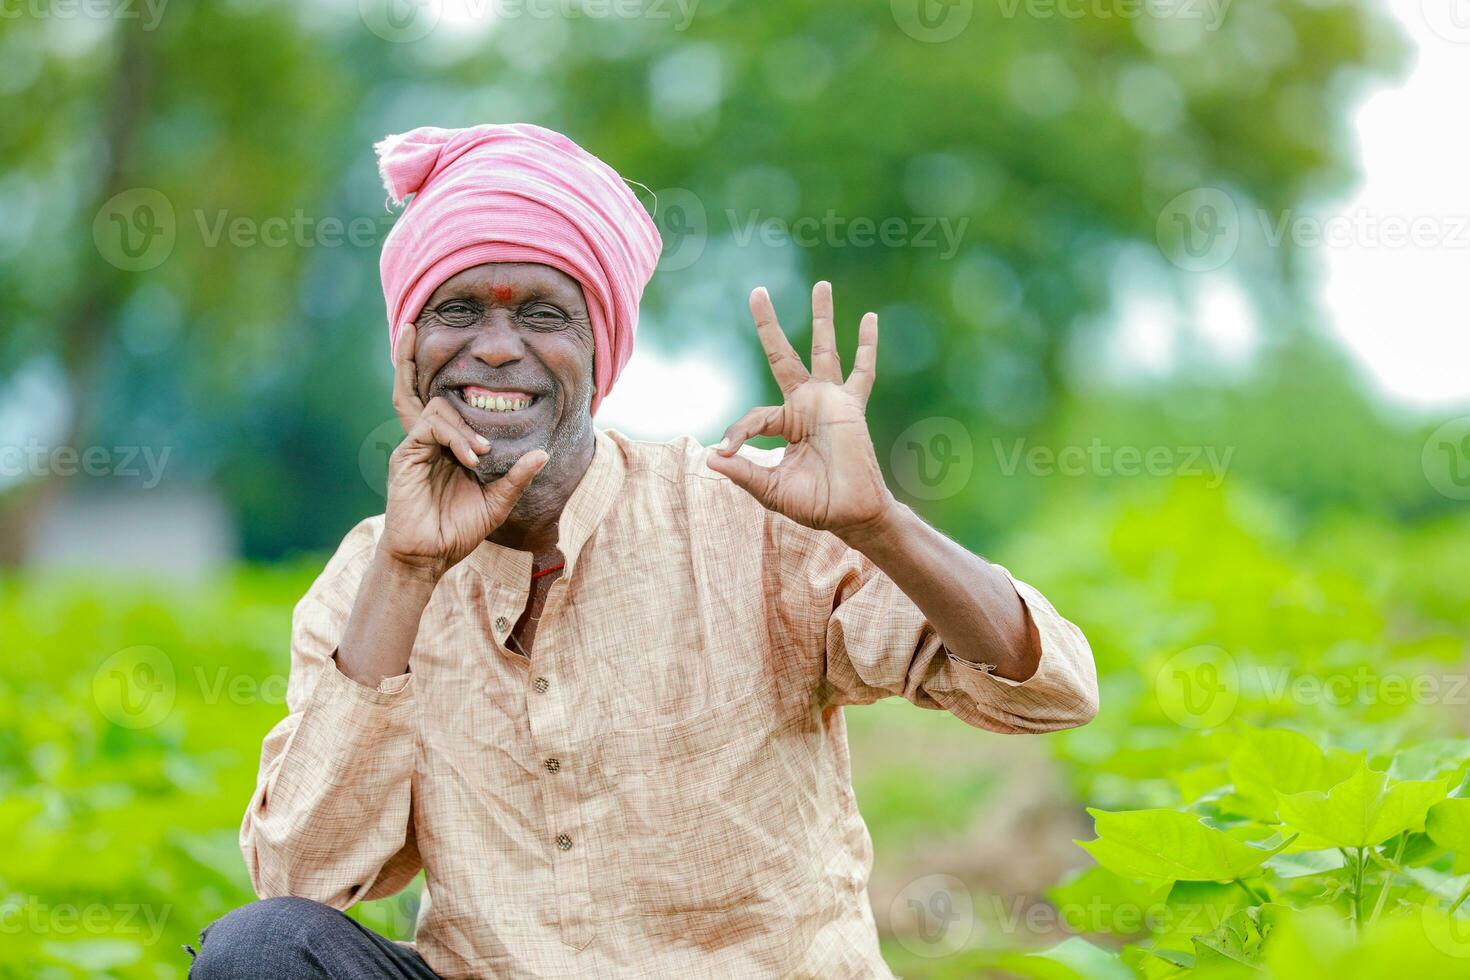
(1305, 942)
(1439, 883)
(1317, 944)
(1448, 824)
(1174, 957)
(1420, 849)
(1201, 781)
(1071, 959)
(1198, 908)
(1168, 845)
(1361, 811)
(1240, 937)
(1269, 762)
(1304, 863)
(1431, 759)
(1096, 901)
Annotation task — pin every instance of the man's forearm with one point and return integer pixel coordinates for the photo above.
(380, 633)
(971, 603)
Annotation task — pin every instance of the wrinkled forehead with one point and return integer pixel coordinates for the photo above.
(505, 282)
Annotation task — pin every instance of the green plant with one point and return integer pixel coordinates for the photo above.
(1279, 787)
(1279, 830)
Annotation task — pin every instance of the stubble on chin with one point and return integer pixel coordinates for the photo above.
(498, 462)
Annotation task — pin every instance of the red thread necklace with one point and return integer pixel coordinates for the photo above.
(548, 570)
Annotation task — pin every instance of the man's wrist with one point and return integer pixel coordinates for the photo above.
(380, 633)
(412, 572)
(877, 534)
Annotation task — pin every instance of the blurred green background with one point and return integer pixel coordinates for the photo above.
(193, 411)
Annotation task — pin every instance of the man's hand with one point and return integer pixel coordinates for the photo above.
(829, 477)
(829, 480)
(438, 510)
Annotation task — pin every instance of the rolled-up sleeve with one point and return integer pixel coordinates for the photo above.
(876, 643)
(330, 819)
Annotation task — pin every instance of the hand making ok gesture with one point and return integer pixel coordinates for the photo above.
(829, 477)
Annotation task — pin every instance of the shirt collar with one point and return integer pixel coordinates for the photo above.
(584, 510)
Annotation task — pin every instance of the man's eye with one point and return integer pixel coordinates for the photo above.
(456, 312)
(545, 315)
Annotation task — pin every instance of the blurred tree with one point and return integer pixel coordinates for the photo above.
(1007, 163)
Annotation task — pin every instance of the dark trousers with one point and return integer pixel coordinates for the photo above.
(298, 939)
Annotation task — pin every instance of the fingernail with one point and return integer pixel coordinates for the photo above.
(722, 445)
(482, 440)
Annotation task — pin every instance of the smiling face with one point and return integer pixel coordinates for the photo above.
(510, 346)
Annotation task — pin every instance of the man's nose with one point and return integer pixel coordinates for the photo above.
(497, 342)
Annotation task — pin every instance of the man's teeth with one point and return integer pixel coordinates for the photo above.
(499, 403)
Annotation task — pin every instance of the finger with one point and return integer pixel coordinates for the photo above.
(767, 420)
(444, 408)
(440, 407)
(865, 363)
(406, 400)
(753, 479)
(435, 428)
(826, 362)
(435, 434)
(786, 366)
(449, 436)
(502, 494)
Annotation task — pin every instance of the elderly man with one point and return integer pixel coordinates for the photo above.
(591, 686)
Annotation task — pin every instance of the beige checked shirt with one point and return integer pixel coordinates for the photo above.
(662, 789)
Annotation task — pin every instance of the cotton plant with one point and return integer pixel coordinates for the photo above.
(1287, 859)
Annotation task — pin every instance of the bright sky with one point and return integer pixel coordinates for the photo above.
(661, 397)
(1405, 311)
(1394, 259)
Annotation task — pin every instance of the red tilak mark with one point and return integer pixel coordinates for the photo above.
(503, 293)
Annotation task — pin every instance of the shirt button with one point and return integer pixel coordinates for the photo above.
(541, 684)
(564, 842)
(553, 765)
(501, 624)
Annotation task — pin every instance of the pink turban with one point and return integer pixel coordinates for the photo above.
(516, 193)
